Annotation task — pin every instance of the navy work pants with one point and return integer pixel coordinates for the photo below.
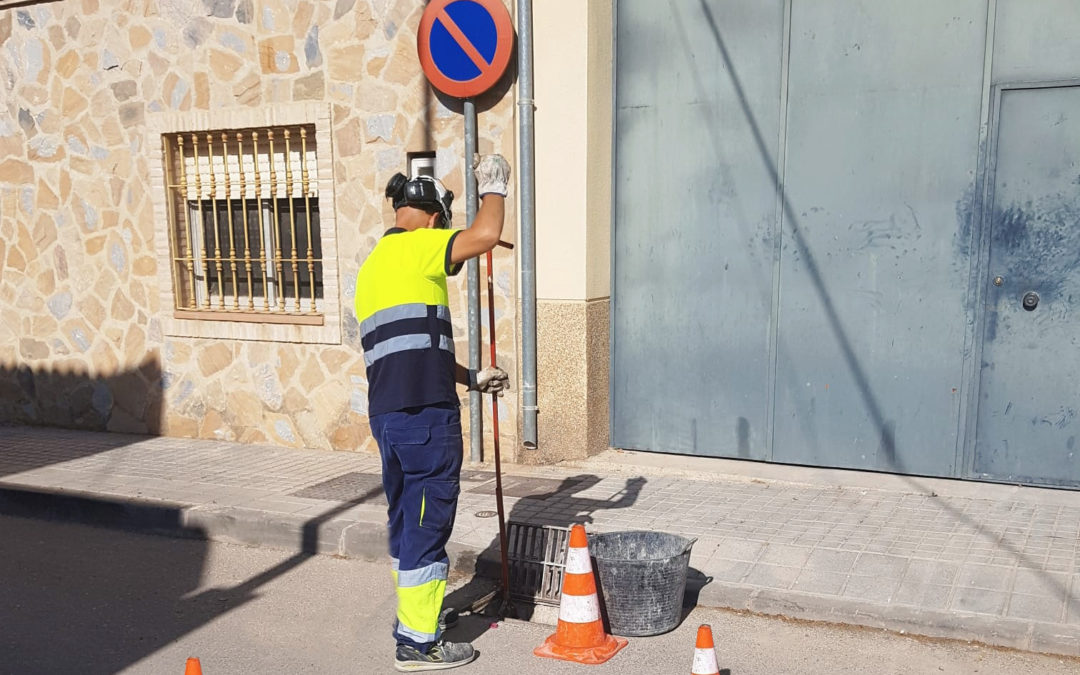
(421, 453)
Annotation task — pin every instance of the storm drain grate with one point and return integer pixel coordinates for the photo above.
(537, 558)
(360, 488)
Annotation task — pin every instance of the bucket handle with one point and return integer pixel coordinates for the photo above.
(690, 544)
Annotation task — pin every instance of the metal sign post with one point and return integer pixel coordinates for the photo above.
(464, 47)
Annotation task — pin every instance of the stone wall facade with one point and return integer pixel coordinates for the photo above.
(82, 341)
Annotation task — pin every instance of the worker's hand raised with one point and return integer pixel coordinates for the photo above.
(492, 174)
(491, 380)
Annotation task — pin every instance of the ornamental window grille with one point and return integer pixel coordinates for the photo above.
(245, 237)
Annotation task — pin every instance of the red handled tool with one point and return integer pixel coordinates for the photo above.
(507, 605)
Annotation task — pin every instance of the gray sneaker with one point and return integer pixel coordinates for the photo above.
(442, 656)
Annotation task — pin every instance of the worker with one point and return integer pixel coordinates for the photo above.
(403, 309)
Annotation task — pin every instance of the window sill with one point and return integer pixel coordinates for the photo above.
(241, 316)
(223, 324)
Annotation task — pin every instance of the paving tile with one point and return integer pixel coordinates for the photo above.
(731, 571)
(987, 577)
(833, 542)
(922, 595)
(874, 564)
(771, 576)
(788, 556)
(1040, 582)
(1072, 604)
(931, 572)
(839, 562)
(275, 506)
(734, 549)
(1036, 607)
(870, 589)
(979, 600)
(819, 581)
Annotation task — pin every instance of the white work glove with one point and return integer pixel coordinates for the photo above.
(490, 380)
(492, 174)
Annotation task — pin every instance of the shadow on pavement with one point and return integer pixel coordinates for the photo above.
(88, 600)
(696, 580)
(97, 600)
(127, 402)
(561, 507)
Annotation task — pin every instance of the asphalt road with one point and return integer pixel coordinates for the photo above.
(77, 599)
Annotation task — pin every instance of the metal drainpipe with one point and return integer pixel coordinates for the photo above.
(528, 223)
(476, 412)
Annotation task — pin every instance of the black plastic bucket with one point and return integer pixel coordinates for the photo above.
(642, 579)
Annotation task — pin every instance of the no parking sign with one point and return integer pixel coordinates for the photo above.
(465, 45)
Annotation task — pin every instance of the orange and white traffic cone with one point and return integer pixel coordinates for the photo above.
(704, 653)
(193, 667)
(580, 635)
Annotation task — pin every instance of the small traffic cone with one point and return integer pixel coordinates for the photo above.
(704, 653)
(580, 635)
(193, 667)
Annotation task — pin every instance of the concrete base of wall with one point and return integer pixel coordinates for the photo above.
(573, 366)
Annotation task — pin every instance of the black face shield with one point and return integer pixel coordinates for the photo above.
(422, 192)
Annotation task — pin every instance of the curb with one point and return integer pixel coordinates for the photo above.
(230, 524)
(352, 538)
(367, 540)
(1009, 632)
(144, 516)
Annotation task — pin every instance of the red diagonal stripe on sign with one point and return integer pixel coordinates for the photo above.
(463, 41)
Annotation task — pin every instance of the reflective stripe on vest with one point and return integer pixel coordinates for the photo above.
(414, 310)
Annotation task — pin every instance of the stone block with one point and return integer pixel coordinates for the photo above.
(16, 172)
(67, 64)
(30, 348)
(139, 37)
(202, 91)
(224, 65)
(214, 358)
(346, 63)
(310, 88)
(276, 55)
(73, 103)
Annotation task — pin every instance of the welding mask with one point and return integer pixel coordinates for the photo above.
(422, 192)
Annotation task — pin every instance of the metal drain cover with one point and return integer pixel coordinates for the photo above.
(361, 488)
(537, 558)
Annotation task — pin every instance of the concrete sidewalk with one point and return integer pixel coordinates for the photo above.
(996, 564)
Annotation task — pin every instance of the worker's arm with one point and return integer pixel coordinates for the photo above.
(492, 175)
(461, 375)
(484, 233)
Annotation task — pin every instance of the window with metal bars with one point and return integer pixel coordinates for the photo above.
(245, 231)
